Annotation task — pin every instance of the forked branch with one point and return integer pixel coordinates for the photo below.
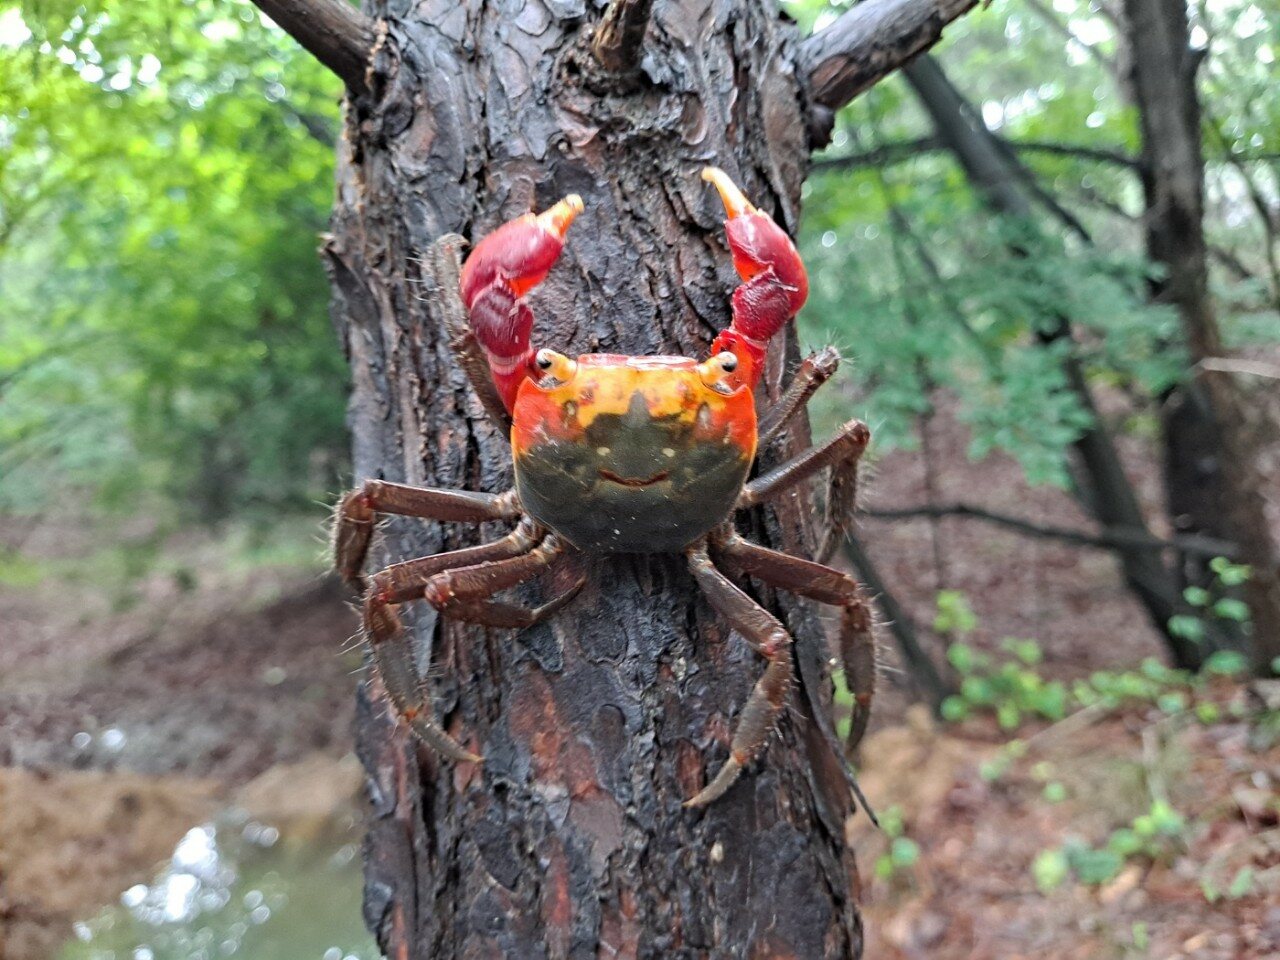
(619, 40)
(333, 31)
(870, 41)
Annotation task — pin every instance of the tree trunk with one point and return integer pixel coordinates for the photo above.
(571, 841)
(1163, 72)
(995, 174)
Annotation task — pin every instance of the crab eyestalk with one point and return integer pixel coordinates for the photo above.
(775, 284)
(504, 266)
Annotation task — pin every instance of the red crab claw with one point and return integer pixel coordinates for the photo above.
(775, 284)
(503, 267)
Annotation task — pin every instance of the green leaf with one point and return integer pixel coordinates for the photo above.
(1094, 867)
(904, 852)
(1230, 608)
(1186, 626)
(954, 616)
(1008, 715)
(1241, 884)
(960, 656)
(1226, 663)
(1197, 596)
(1050, 869)
(1140, 936)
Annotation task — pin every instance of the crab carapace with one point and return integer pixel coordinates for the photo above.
(620, 454)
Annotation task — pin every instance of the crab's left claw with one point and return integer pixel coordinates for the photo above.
(775, 284)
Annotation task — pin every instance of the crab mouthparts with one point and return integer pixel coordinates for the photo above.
(634, 481)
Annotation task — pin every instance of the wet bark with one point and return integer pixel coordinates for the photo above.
(571, 841)
(1163, 68)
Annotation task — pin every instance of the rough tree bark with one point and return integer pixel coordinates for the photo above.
(571, 841)
(1163, 70)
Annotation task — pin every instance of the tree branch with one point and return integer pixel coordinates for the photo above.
(868, 42)
(619, 40)
(1109, 539)
(891, 153)
(333, 31)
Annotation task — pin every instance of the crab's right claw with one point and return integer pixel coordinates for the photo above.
(775, 284)
(503, 267)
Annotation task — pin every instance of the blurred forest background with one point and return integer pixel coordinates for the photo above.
(1077, 752)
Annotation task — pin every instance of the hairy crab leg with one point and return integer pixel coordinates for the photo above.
(768, 638)
(495, 613)
(842, 501)
(405, 581)
(358, 510)
(395, 665)
(462, 587)
(847, 444)
(813, 372)
(385, 633)
(857, 639)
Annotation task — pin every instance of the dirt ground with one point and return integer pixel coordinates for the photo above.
(121, 731)
(120, 728)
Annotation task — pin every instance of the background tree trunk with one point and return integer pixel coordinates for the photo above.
(1101, 483)
(1163, 69)
(571, 842)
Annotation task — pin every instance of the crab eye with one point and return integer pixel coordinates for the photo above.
(715, 372)
(557, 367)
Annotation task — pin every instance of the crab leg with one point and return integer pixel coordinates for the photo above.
(495, 613)
(504, 266)
(848, 444)
(392, 656)
(464, 587)
(842, 500)
(821, 583)
(769, 639)
(405, 581)
(813, 372)
(357, 513)
(774, 286)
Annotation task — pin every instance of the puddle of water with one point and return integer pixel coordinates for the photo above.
(235, 888)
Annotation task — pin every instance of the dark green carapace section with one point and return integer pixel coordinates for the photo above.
(689, 485)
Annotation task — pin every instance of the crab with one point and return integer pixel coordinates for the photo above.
(619, 454)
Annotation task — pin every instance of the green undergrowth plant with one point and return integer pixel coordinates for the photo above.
(1215, 603)
(1155, 836)
(1008, 683)
(903, 852)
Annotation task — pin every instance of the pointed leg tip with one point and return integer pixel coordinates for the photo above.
(718, 787)
(461, 754)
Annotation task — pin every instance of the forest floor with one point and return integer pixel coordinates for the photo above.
(123, 723)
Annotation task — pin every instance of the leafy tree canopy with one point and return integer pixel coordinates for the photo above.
(165, 171)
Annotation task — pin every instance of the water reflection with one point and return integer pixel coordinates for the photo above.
(236, 888)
